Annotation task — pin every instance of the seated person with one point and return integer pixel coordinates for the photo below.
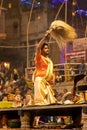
(17, 101)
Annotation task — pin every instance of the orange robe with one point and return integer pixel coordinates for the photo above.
(43, 77)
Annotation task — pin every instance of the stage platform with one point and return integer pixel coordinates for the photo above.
(27, 114)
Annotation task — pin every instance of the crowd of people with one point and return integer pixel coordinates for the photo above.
(14, 87)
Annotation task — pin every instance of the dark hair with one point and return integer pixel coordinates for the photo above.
(45, 44)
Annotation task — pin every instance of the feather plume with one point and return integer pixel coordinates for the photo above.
(62, 33)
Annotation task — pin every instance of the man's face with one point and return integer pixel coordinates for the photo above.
(45, 50)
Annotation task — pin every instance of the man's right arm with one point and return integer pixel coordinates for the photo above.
(42, 42)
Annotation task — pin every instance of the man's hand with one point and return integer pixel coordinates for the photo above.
(47, 33)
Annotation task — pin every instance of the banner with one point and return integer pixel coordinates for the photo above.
(75, 55)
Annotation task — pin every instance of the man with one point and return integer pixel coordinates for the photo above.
(43, 75)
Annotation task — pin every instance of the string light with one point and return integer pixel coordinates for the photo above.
(9, 5)
(36, 4)
(81, 12)
(74, 3)
(73, 13)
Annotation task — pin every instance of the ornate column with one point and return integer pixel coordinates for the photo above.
(84, 119)
(25, 120)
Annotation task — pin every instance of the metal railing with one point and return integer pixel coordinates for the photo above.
(67, 71)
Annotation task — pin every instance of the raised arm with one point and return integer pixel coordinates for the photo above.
(42, 42)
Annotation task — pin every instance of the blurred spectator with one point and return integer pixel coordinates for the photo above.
(65, 90)
(72, 72)
(82, 68)
(17, 101)
(55, 93)
(58, 78)
(60, 95)
(1, 89)
(17, 91)
(28, 100)
(5, 97)
(15, 74)
(10, 94)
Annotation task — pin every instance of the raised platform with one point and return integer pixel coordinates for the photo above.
(27, 114)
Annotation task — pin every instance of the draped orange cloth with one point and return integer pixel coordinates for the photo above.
(41, 66)
(43, 77)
